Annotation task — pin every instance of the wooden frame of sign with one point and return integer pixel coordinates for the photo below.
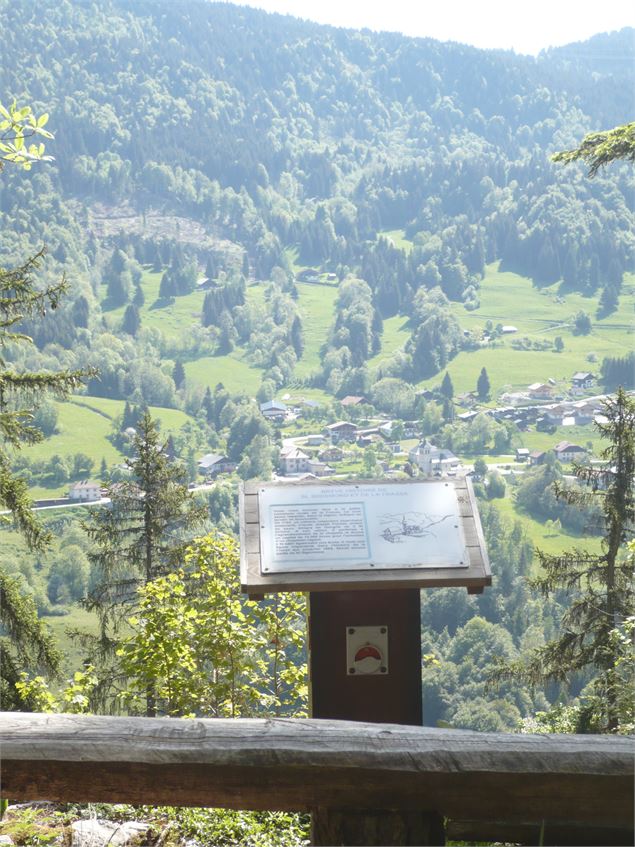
(291, 536)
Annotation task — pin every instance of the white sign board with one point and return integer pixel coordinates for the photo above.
(360, 527)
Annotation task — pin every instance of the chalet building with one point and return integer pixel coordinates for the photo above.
(319, 469)
(522, 454)
(540, 391)
(204, 283)
(537, 457)
(331, 454)
(213, 464)
(341, 431)
(274, 410)
(315, 440)
(84, 490)
(433, 460)
(292, 460)
(308, 275)
(411, 429)
(567, 452)
(351, 400)
(581, 381)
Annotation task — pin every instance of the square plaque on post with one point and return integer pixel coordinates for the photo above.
(316, 536)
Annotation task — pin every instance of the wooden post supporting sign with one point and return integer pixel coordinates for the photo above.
(363, 551)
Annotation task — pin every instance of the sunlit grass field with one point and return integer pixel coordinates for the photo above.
(84, 424)
(233, 370)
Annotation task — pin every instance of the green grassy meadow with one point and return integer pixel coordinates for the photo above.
(84, 424)
(316, 305)
(233, 370)
(396, 333)
(172, 318)
(543, 537)
(538, 314)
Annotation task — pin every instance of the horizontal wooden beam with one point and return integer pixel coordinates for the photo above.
(303, 764)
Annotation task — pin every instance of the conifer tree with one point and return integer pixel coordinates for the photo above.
(25, 644)
(178, 374)
(141, 537)
(447, 389)
(131, 320)
(483, 385)
(601, 585)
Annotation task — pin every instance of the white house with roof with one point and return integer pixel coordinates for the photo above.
(292, 460)
(211, 464)
(431, 459)
(85, 489)
(341, 431)
(567, 452)
(540, 391)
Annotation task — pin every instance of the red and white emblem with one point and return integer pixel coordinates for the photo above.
(366, 650)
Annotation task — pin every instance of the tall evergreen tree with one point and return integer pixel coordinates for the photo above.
(178, 374)
(447, 389)
(141, 537)
(483, 385)
(131, 320)
(601, 584)
(25, 643)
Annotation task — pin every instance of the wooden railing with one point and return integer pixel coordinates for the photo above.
(563, 789)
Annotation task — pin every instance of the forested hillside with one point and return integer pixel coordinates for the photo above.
(275, 134)
(250, 206)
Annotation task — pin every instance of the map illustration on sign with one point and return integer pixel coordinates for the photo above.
(359, 527)
(410, 526)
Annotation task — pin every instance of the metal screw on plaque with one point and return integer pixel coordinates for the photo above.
(382, 669)
(351, 631)
(351, 670)
(383, 630)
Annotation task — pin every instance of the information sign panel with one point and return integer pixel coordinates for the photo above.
(360, 527)
(346, 535)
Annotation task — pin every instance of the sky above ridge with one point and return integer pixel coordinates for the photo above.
(523, 27)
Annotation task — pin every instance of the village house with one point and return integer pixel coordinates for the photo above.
(274, 410)
(315, 440)
(331, 454)
(351, 400)
(567, 452)
(341, 431)
(433, 460)
(319, 468)
(212, 464)
(537, 457)
(85, 489)
(522, 454)
(308, 275)
(292, 460)
(581, 381)
(540, 391)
